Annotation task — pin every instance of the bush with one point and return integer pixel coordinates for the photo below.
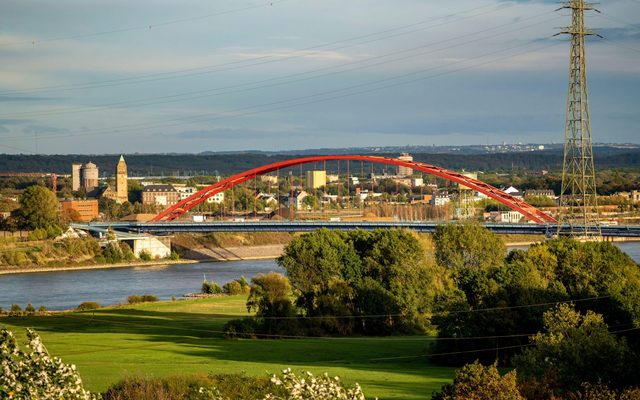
(42, 309)
(15, 310)
(36, 375)
(145, 298)
(234, 386)
(232, 288)
(245, 328)
(211, 287)
(477, 382)
(173, 256)
(30, 309)
(144, 255)
(88, 306)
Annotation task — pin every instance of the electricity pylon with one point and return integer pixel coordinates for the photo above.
(578, 193)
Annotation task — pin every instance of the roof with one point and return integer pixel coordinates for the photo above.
(159, 188)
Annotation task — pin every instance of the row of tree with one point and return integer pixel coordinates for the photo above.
(484, 304)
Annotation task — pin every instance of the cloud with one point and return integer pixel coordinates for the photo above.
(631, 33)
(39, 129)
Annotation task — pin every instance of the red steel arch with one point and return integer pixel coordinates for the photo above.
(514, 203)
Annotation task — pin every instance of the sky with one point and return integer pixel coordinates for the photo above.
(159, 76)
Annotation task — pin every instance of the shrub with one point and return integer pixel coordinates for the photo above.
(88, 305)
(1, 311)
(42, 309)
(477, 382)
(211, 287)
(15, 310)
(36, 375)
(149, 298)
(144, 255)
(37, 234)
(173, 256)
(245, 328)
(232, 288)
(145, 298)
(30, 309)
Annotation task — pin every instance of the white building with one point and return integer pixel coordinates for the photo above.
(510, 217)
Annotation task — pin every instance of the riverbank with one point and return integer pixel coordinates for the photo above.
(129, 264)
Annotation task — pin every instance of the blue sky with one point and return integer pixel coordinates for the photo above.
(147, 76)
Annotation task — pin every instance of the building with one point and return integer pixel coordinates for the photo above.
(217, 198)
(84, 176)
(87, 210)
(89, 175)
(296, 200)
(316, 179)
(540, 193)
(185, 191)
(162, 195)
(405, 171)
(122, 185)
(75, 176)
(635, 196)
(510, 217)
(513, 192)
(440, 200)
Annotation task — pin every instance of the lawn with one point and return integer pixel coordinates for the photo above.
(184, 337)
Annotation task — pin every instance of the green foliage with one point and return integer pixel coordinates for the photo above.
(39, 208)
(34, 374)
(42, 309)
(210, 287)
(145, 298)
(113, 253)
(235, 287)
(174, 256)
(145, 255)
(339, 276)
(550, 272)
(15, 310)
(30, 309)
(575, 348)
(88, 306)
(477, 382)
(459, 247)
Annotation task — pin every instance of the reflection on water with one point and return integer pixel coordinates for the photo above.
(66, 289)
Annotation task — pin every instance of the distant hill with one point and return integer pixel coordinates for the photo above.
(226, 163)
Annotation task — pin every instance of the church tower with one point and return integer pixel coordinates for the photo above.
(121, 182)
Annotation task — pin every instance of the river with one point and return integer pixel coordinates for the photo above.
(64, 290)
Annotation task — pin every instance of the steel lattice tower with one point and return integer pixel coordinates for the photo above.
(578, 193)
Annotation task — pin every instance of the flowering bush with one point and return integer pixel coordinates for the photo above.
(310, 387)
(36, 375)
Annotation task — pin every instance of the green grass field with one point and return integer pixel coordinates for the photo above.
(183, 337)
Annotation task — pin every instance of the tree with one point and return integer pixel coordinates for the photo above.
(464, 246)
(477, 382)
(270, 297)
(39, 208)
(36, 375)
(315, 259)
(575, 348)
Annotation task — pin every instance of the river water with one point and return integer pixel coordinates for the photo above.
(64, 290)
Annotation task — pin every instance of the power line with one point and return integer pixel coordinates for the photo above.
(141, 27)
(207, 92)
(206, 117)
(260, 60)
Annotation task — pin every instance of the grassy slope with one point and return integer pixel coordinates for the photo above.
(183, 337)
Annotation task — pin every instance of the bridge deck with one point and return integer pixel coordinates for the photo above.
(307, 226)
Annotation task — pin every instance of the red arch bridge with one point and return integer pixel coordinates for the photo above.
(530, 212)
